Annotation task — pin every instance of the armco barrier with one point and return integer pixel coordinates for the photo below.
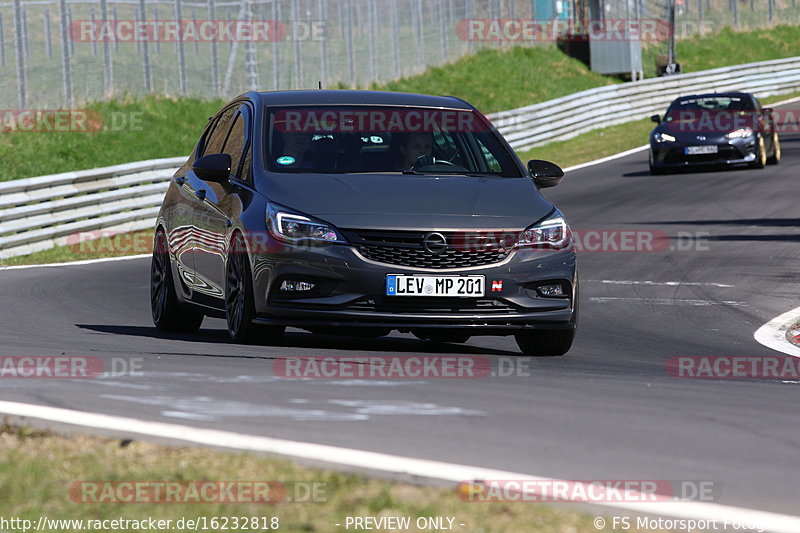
(39, 213)
(569, 116)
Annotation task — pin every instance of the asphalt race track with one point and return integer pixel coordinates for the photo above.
(607, 410)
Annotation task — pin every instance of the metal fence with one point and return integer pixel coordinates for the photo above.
(338, 42)
(39, 213)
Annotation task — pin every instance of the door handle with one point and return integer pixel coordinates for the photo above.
(180, 180)
(201, 194)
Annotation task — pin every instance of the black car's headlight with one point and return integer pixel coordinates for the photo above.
(661, 137)
(288, 226)
(552, 233)
(741, 133)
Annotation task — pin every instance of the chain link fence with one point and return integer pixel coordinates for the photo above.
(54, 53)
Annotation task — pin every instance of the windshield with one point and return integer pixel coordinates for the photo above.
(709, 104)
(360, 139)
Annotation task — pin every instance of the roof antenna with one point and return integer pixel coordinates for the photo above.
(320, 85)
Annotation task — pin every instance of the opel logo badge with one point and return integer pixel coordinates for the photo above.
(434, 243)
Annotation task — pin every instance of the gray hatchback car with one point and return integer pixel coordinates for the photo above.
(361, 212)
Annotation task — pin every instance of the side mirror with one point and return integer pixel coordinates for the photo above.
(656, 118)
(215, 168)
(544, 173)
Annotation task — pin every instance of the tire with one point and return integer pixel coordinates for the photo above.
(543, 343)
(441, 336)
(168, 313)
(775, 158)
(761, 155)
(239, 303)
(655, 171)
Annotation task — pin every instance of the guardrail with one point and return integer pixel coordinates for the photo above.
(40, 213)
(46, 211)
(569, 116)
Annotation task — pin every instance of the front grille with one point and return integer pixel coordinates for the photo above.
(404, 248)
(726, 152)
(450, 306)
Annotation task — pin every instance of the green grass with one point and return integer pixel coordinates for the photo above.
(495, 80)
(137, 129)
(123, 244)
(729, 47)
(592, 145)
(37, 468)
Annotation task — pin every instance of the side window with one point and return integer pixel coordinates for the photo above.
(491, 162)
(216, 140)
(235, 144)
(248, 161)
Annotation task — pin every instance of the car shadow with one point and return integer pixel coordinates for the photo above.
(301, 339)
(685, 171)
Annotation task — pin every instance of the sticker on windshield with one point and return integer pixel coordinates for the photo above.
(285, 160)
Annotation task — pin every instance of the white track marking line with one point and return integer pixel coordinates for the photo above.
(667, 301)
(655, 283)
(773, 333)
(608, 158)
(76, 263)
(381, 462)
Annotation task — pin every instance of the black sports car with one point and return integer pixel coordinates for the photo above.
(714, 129)
(360, 212)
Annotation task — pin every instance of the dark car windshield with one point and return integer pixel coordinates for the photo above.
(361, 139)
(710, 104)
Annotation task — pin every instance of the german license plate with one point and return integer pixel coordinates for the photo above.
(697, 150)
(404, 285)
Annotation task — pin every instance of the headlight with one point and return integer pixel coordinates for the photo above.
(664, 138)
(740, 133)
(287, 226)
(552, 233)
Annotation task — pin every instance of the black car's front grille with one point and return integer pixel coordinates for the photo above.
(405, 248)
(725, 152)
(433, 305)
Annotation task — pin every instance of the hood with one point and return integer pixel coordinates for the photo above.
(392, 201)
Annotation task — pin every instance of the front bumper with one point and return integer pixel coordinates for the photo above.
(350, 291)
(670, 155)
